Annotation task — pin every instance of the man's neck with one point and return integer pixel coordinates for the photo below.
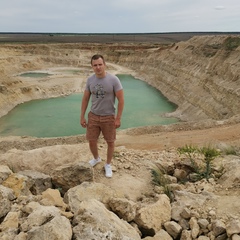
(101, 75)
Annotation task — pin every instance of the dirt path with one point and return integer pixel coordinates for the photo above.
(164, 140)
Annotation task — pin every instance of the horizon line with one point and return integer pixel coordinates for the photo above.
(122, 33)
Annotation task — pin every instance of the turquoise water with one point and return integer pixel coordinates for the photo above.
(35, 74)
(57, 117)
(144, 104)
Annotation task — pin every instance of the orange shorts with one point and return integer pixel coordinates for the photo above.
(97, 124)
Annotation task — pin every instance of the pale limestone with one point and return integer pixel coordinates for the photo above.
(94, 221)
(5, 171)
(152, 216)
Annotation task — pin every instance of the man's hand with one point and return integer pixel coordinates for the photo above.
(83, 123)
(117, 122)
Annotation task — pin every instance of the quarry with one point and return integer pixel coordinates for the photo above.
(200, 74)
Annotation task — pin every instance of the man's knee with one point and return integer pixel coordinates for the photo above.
(92, 142)
(110, 144)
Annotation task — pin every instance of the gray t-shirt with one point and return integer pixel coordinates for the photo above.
(103, 93)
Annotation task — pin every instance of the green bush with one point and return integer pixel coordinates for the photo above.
(209, 154)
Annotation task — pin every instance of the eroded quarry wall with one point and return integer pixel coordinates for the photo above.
(200, 75)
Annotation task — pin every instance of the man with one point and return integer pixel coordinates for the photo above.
(103, 88)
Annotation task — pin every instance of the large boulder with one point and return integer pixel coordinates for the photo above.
(87, 191)
(70, 175)
(41, 181)
(5, 171)
(94, 221)
(20, 184)
(151, 217)
(6, 197)
(58, 228)
(231, 176)
(124, 208)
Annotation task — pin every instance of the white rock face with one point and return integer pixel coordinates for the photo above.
(94, 221)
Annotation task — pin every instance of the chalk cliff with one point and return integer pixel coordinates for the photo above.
(201, 75)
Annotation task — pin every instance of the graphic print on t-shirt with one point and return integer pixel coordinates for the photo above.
(99, 91)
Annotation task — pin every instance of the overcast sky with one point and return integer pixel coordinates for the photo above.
(119, 16)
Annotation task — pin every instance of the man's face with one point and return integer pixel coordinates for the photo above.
(99, 67)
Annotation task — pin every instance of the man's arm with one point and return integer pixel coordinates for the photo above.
(84, 105)
(120, 97)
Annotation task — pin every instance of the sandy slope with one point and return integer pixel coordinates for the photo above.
(228, 134)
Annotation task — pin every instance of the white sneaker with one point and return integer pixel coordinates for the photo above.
(108, 170)
(93, 162)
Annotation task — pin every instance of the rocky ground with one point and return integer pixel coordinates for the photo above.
(132, 169)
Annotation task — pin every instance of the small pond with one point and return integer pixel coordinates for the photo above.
(55, 117)
(35, 74)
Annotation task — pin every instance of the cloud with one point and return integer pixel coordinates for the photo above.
(219, 7)
(125, 16)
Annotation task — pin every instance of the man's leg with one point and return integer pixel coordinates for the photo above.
(110, 151)
(94, 148)
(109, 133)
(93, 132)
(108, 168)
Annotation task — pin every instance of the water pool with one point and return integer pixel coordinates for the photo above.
(56, 117)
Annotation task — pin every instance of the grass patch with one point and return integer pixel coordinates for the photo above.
(231, 43)
(231, 151)
(159, 179)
